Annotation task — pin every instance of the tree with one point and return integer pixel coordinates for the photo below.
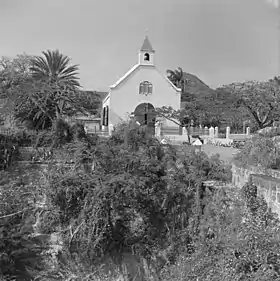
(13, 72)
(177, 78)
(39, 104)
(55, 67)
(193, 114)
(259, 99)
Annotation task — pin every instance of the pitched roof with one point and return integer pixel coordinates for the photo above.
(134, 69)
(125, 76)
(147, 47)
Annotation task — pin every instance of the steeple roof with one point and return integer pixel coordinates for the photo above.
(147, 47)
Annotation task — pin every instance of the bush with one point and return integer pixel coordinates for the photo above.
(44, 138)
(233, 243)
(20, 251)
(8, 151)
(260, 151)
(207, 168)
(25, 138)
(78, 132)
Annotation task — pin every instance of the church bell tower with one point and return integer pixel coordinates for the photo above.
(146, 53)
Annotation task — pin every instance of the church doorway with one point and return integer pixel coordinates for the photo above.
(144, 114)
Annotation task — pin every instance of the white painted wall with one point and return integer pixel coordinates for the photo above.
(125, 97)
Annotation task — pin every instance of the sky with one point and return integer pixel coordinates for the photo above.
(220, 41)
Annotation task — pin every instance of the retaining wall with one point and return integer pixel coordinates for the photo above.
(266, 181)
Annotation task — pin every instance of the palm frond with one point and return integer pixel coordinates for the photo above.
(55, 66)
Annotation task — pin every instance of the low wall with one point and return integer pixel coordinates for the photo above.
(267, 182)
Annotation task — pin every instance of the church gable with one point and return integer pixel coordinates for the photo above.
(133, 72)
(143, 85)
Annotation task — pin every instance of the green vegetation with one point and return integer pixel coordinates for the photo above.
(117, 197)
(41, 90)
(260, 151)
(252, 102)
(128, 197)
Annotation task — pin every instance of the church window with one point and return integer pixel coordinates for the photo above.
(145, 88)
(146, 57)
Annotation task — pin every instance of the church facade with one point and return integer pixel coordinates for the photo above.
(136, 94)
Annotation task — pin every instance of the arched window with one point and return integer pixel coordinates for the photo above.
(145, 88)
(146, 57)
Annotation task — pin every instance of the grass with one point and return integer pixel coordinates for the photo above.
(226, 153)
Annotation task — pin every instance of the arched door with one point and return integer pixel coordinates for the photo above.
(144, 114)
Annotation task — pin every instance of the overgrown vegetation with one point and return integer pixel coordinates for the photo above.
(128, 197)
(260, 151)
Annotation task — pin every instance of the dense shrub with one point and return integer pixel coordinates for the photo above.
(44, 138)
(269, 132)
(207, 168)
(25, 137)
(260, 151)
(8, 151)
(135, 198)
(137, 195)
(20, 250)
(235, 242)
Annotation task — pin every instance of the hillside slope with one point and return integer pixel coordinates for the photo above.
(196, 87)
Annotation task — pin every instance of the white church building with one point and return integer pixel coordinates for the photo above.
(142, 89)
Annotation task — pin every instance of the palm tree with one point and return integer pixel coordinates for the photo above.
(177, 77)
(54, 66)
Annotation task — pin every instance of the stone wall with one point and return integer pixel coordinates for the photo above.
(267, 182)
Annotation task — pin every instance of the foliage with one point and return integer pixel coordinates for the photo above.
(259, 99)
(8, 151)
(42, 89)
(53, 66)
(198, 100)
(39, 104)
(13, 72)
(234, 243)
(196, 111)
(25, 137)
(260, 151)
(134, 198)
(20, 250)
(204, 168)
(270, 132)
(177, 78)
